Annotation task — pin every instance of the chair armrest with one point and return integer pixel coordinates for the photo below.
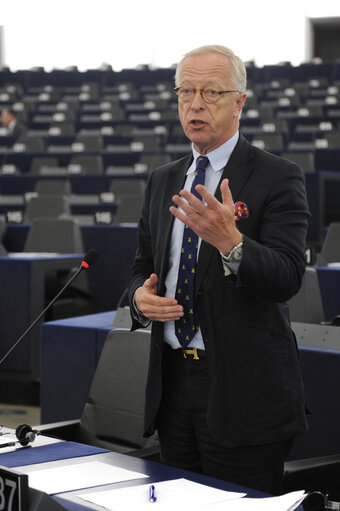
(65, 430)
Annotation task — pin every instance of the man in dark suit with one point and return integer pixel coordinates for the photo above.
(16, 128)
(227, 400)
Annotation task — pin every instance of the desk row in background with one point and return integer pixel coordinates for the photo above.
(323, 190)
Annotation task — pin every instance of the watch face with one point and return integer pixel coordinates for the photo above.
(237, 255)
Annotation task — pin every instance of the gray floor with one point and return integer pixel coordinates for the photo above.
(12, 416)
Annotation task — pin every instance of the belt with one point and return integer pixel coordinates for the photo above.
(187, 353)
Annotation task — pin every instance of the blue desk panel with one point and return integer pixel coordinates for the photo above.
(329, 281)
(70, 350)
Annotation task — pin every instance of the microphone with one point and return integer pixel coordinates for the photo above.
(89, 259)
(25, 435)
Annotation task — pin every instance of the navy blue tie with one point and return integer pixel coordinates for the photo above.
(187, 326)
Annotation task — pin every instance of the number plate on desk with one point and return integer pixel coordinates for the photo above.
(13, 490)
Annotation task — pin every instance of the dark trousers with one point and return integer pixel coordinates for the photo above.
(186, 442)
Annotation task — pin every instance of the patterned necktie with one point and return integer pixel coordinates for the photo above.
(187, 325)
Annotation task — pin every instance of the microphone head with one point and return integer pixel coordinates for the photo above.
(90, 258)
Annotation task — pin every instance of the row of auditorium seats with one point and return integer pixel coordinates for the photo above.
(134, 155)
(299, 105)
(306, 138)
(120, 203)
(125, 123)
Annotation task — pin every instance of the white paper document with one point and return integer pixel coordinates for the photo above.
(287, 502)
(50, 479)
(178, 495)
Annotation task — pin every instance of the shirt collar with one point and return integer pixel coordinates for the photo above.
(218, 158)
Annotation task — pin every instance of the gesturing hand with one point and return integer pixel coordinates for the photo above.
(154, 307)
(212, 220)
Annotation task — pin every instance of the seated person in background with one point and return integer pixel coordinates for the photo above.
(16, 128)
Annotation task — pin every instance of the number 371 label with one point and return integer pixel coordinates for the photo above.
(13, 490)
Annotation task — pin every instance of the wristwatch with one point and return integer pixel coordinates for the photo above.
(235, 255)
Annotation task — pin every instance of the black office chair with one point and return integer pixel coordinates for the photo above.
(127, 186)
(151, 144)
(114, 412)
(91, 143)
(152, 161)
(330, 251)
(269, 141)
(53, 187)
(305, 160)
(306, 306)
(129, 208)
(333, 140)
(62, 236)
(86, 164)
(62, 129)
(47, 206)
(29, 144)
(43, 162)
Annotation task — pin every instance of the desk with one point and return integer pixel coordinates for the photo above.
(90, 207)
(19, 184)
(66, 453)
(23, 298)
(116, 245)
(70, 350)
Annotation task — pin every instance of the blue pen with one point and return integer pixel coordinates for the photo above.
(152, 496)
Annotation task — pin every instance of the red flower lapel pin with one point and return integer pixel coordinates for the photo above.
(241, 210)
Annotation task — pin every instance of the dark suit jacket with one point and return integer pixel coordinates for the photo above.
(19, 129)
(256, 392)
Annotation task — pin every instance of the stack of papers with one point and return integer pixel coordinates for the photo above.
(52, 479)
(184, 495)
(179, 494)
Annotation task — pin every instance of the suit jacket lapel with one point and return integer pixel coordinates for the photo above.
(237, 171)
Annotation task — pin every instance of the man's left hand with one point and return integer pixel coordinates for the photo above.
(212, 220)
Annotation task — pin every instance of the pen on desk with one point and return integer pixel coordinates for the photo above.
(152, 496)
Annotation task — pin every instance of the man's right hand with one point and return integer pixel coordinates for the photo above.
(154, 307)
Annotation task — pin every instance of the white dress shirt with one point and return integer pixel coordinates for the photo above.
(218, 158)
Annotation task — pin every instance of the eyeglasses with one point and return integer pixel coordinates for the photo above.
(187, 94)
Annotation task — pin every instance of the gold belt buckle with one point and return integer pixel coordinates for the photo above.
(191, 351)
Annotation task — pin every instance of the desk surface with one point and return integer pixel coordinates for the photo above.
(70, 453)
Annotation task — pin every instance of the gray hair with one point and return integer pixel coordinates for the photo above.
(239, 73)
